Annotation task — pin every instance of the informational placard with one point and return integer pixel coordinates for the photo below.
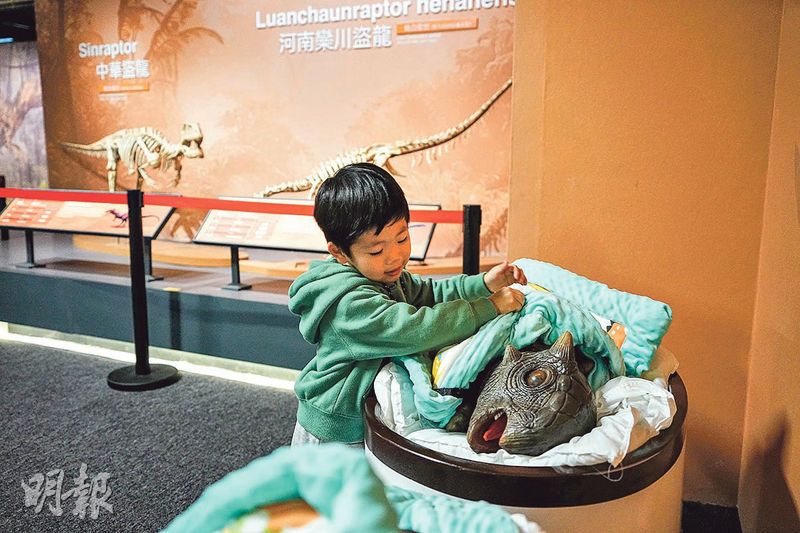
(288, 232)
(80, 217)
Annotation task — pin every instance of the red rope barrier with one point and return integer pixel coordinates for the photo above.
(66, 196)
(228, 205)
(437, 217)
(277, 208)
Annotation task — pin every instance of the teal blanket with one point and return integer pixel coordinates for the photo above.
(338, 482)
(645, 320)
(333, 479)
(562, 301)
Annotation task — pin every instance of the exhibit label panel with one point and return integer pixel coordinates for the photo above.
(289, 232)
(79, 217)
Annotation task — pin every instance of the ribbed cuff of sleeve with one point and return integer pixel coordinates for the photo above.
(476, 287)
(484, 309)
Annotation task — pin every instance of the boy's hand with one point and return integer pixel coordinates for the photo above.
(507, 300)
(503, 275)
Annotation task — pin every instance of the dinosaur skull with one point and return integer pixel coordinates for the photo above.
(191, 139)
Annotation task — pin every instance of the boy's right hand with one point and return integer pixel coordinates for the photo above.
(506, 300)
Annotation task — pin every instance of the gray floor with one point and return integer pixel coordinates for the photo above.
(147, 455)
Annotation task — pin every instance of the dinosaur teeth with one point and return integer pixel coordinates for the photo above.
(496, 428)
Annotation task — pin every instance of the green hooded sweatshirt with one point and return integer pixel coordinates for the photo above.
(356, 323)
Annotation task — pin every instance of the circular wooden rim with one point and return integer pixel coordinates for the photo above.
(524, 486)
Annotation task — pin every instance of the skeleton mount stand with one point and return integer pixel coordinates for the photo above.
(142, 375)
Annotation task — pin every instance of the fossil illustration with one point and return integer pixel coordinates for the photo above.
(142, 147)
(380, 153)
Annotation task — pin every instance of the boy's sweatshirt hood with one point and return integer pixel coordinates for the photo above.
(313, 293)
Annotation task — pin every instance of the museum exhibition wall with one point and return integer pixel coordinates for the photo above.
(654, 148)
(273, 93)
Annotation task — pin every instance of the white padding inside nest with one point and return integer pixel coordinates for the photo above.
(630, 411)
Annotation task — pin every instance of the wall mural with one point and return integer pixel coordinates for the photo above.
(284, 95)
(22, 149)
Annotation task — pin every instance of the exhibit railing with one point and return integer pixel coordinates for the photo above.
(143, 375)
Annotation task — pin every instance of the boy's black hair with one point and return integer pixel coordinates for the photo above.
(358, 198)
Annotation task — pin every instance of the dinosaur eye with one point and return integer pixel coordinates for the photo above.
(535, 378)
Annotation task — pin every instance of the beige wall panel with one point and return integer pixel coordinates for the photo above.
(655, 123)
(769, 487)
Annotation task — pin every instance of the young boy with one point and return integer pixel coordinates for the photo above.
(361, 306)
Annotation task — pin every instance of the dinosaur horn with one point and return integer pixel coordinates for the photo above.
(563, 347)
(511, 354)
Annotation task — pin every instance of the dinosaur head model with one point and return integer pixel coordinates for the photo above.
(532, 401)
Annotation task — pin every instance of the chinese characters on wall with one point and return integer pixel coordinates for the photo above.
(361, 37)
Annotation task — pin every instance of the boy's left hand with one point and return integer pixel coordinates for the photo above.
(503, 275)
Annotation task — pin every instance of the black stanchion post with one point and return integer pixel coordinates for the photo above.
(235, 284)
(148, 261)
(472, 239)
(3, 231)
(30, 262)
(143, 375)
(141, 336)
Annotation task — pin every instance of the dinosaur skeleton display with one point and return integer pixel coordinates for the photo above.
(380, 153)
(142, 147)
